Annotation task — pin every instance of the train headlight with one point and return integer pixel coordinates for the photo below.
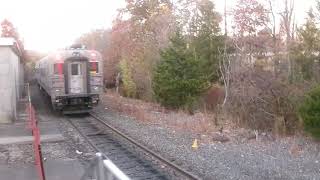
(95, 99)
(57, 90)
(96, 88)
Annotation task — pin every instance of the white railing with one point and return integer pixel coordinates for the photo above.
(103, 169)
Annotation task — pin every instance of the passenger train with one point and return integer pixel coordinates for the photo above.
(73, 78)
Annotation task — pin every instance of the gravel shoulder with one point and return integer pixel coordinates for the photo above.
(262, 158)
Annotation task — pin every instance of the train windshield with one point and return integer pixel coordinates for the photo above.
(76, 69)
(94, 68)
(58, 68)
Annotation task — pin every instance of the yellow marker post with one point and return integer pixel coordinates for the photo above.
(195, 144)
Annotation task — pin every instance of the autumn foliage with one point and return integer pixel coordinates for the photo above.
(8, 30)
(175, 54)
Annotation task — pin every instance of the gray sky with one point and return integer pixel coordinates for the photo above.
(47, 25)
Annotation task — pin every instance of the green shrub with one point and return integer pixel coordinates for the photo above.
(178, 79)
(129, 86)
(310, 112)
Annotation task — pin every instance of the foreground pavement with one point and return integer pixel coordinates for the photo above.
(17, 154)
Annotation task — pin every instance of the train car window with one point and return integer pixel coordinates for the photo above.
(58, 68)
(75, 69)
(94, 67)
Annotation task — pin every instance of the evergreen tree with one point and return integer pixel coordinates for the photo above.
(307, 50)
(309, 112)
(206, 39)
(178, 80)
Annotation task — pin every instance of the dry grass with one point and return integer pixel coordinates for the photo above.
(199, 122)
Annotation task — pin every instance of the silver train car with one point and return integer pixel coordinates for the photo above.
(73, 79)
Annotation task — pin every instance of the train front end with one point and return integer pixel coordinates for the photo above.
(80, 85)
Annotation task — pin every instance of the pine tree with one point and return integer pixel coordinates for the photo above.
(307, 50)
(206, 39)
(178, 80)
(309, 112)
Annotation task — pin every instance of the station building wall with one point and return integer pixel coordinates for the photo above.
(11, 83)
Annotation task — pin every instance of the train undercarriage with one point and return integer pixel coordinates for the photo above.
(72, 104)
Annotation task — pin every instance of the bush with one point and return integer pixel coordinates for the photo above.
(259, 100)
(178, 79)
(129, 86)
(213, 97)
(310, 112)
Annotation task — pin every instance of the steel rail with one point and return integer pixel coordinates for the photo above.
(149, 151)
(84, 136)
(106, 162)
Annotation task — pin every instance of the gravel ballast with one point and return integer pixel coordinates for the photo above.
(73, 141)
(284, 158)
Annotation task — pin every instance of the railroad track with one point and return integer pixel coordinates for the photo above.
(101, 136)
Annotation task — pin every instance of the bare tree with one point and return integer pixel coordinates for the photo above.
(224, 63)
(225, 70)
(287, 18)
(274, 36)
(250, 18)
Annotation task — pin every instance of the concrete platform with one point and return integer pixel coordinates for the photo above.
(18, 133)
(20, 129)
(54, 170)
(29, 139)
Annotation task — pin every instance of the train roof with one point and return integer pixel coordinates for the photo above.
(62, 55)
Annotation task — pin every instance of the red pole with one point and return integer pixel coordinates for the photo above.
(32, 124)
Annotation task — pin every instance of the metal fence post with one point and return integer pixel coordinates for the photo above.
(100, 167)
(109, 176)
(32, 124)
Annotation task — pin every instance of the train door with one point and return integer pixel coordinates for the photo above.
(77, 77)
